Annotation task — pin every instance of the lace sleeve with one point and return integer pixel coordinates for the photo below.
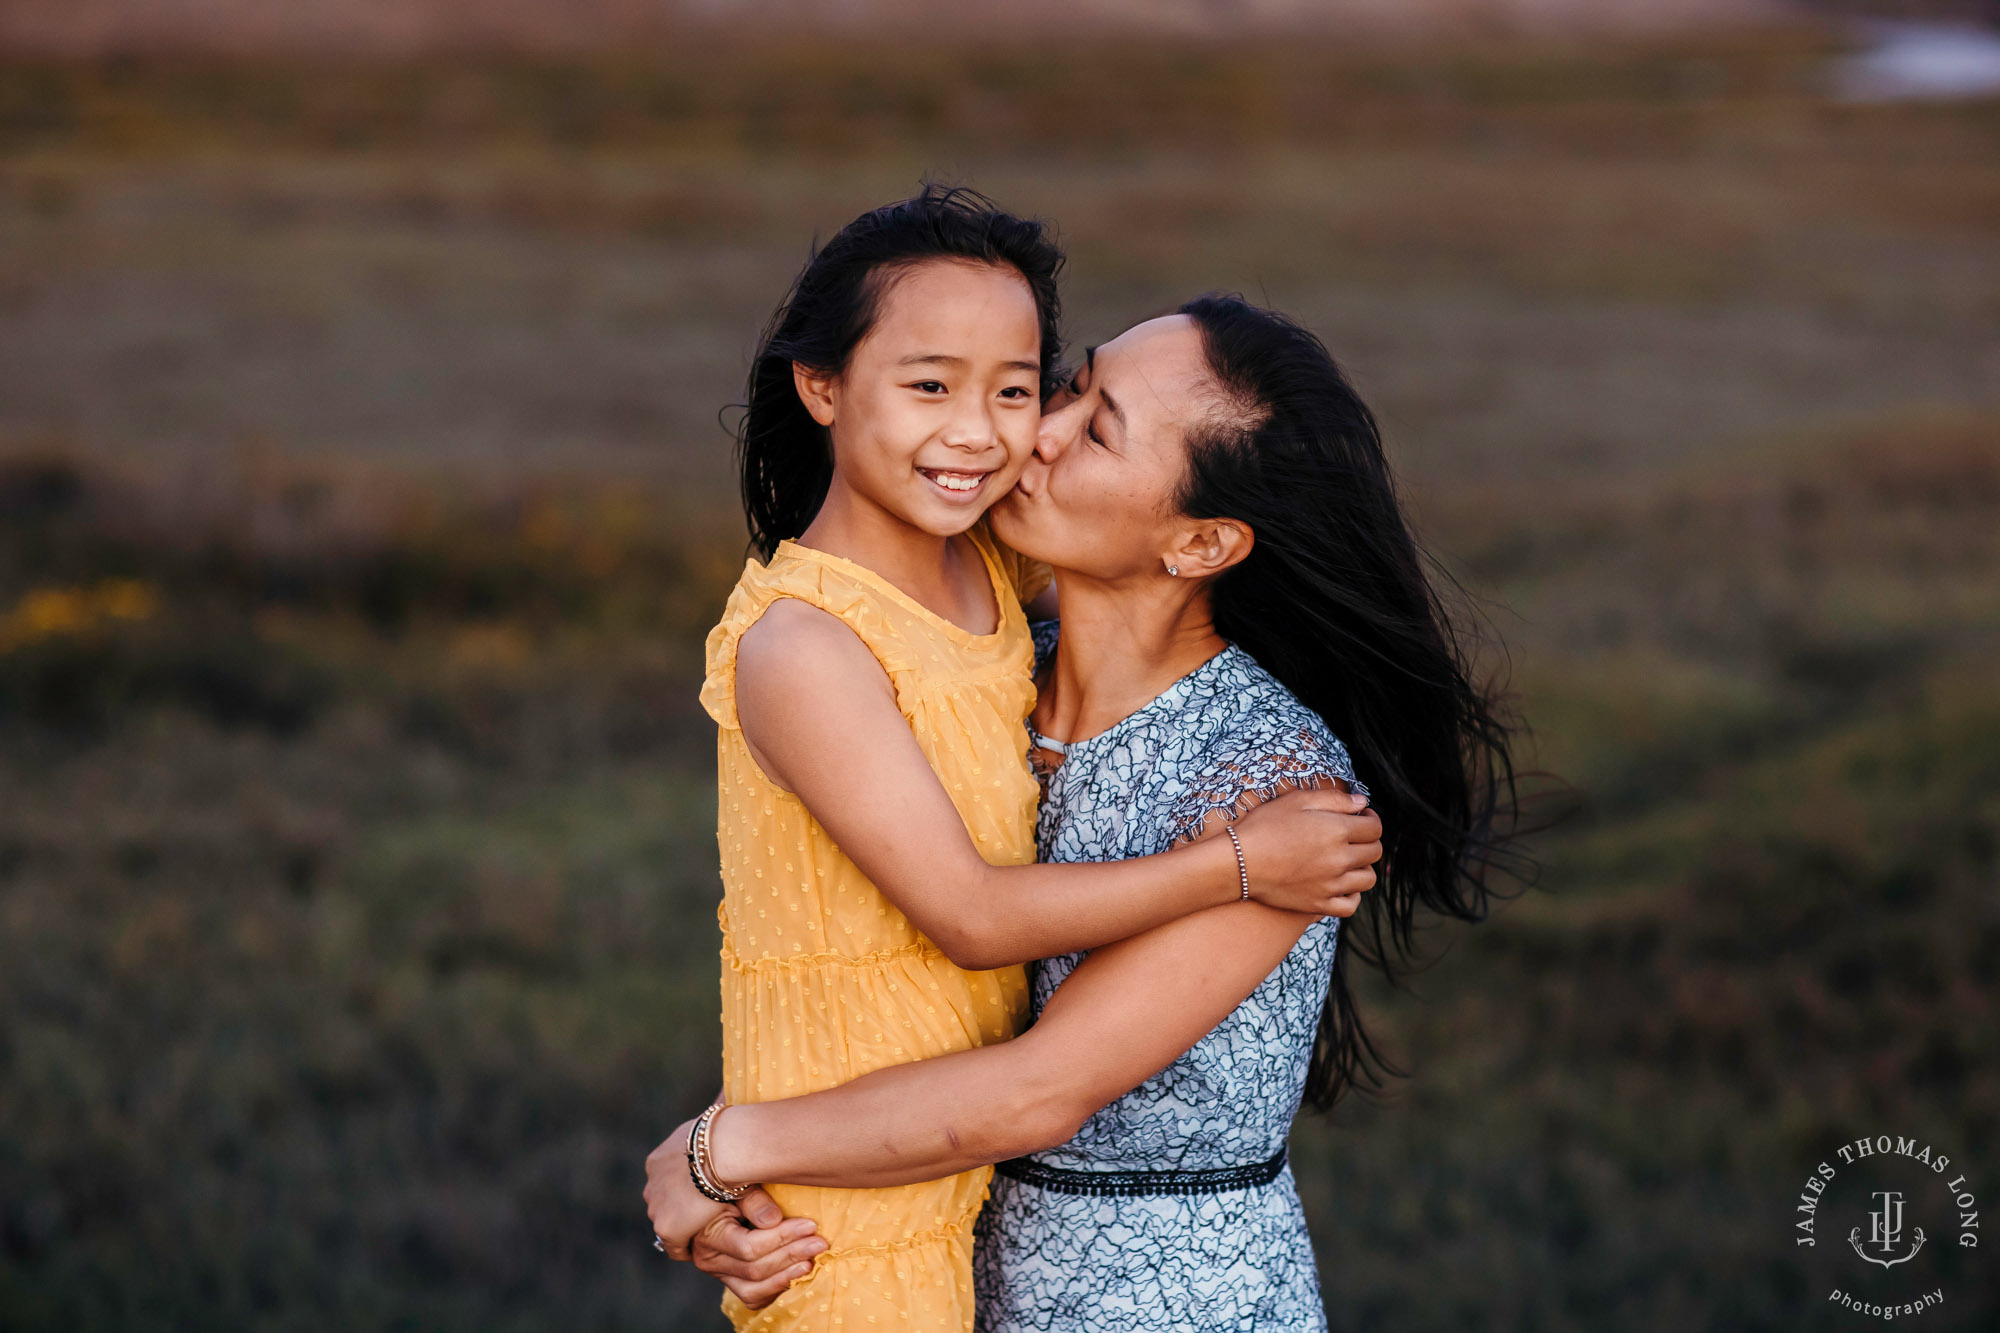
(1253, 763)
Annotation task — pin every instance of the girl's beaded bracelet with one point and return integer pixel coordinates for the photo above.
(1242, 866)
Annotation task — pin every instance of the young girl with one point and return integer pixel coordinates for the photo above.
(871, 681)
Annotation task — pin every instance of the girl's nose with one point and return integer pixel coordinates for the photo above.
(971, 427)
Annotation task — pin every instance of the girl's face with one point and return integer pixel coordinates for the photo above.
(935, 415)
(1098, 497)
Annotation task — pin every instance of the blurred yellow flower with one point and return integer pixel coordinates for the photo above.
(47, 612)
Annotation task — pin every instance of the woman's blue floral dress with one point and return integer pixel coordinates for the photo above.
(1173, 1208)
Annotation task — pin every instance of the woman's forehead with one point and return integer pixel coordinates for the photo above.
(1159, 366)
(1150, 333)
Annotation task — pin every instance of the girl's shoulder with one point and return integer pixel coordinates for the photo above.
(1028, 578)
(797, 573)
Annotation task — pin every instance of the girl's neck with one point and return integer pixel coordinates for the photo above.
(943, 574)
(1121, 647)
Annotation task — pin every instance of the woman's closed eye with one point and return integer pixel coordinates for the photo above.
(1061, 396)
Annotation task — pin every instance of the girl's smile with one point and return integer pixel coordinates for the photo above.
(961, 486)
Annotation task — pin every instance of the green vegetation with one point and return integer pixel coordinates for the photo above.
(362, 509)
(1775, 925)
(357, 897)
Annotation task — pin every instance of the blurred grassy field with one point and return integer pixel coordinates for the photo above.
(363, 504)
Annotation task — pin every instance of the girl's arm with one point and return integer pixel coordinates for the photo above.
(1127, 1011)
(820, 718)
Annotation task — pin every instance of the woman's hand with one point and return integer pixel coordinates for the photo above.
(751, 1245)
(758, 1263)
(678, 1210)
(1312, 851)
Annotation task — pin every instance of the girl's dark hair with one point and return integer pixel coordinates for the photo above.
(785, 457)
(1333, 600)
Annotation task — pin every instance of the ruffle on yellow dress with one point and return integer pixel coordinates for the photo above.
(823, 979)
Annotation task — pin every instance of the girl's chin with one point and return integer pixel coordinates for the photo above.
(945, 521)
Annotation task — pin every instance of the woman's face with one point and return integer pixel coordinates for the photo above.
(934, 416)
(1097, 498)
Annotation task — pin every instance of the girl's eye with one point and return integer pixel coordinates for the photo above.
(928, 386)
(1016, 390)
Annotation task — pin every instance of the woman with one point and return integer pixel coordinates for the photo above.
(1239, 594)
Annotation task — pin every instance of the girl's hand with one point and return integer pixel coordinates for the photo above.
(1312, 851)
(758, 1263)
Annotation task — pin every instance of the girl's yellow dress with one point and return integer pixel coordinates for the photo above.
(823, 979)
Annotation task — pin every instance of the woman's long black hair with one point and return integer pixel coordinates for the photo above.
(1334, 601)
(785, 457)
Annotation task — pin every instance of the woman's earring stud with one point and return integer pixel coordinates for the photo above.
(1174, 570)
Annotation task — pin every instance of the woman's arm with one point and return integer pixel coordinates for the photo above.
(820, 718)
(1127, 1011)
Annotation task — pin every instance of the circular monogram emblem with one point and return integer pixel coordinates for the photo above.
(1890, 1224)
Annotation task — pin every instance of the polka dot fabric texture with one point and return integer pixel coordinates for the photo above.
(1237, 1259)
(823, 979)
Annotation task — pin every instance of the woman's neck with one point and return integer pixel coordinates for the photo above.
(942, 574)
(1121, 647)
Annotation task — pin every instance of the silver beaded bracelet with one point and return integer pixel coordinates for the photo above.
(701, 1160)
(1242, 866)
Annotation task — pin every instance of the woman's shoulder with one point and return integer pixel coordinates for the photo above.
(1251, 738)
(1264, 717)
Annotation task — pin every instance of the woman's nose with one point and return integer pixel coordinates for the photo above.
(1055, 433)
